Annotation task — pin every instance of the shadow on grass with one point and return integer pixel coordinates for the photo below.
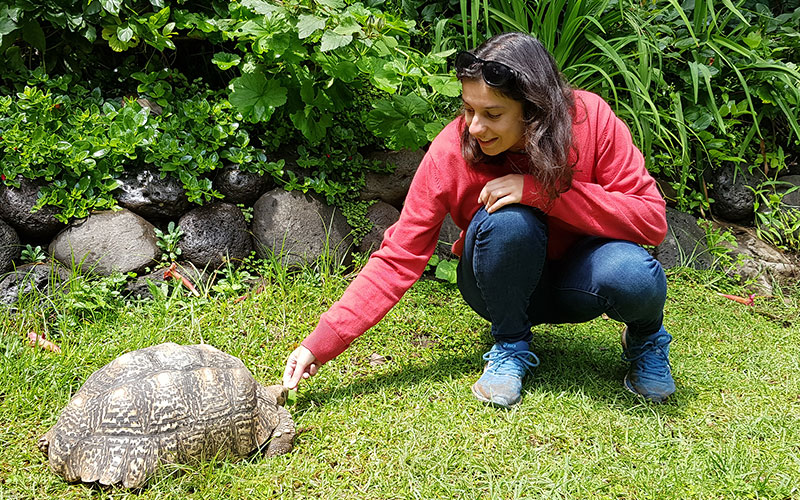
(573, 366)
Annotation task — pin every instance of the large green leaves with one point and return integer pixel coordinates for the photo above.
(112, 6)
(9, 18)
(307, 25)
(400, 120)
(341, 35)
(332, 40)
(226, 60)
(260, 6)
(256, 97)
(445, 84)
(312, 123)
(327, 53)
(314, 118)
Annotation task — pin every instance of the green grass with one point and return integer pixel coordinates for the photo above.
(409, 428)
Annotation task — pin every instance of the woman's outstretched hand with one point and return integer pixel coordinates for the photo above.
(301, 364)
(502, 191)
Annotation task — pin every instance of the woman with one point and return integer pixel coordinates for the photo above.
(554, 200)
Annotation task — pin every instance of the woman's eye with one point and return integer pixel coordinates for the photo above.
(492, 116)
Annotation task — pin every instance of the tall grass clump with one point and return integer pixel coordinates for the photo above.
(701, 84)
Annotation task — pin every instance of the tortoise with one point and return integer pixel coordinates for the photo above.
(165, 404)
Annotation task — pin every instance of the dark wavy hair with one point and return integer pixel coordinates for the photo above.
(547, 106)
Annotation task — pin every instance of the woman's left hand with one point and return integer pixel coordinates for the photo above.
(502, 191)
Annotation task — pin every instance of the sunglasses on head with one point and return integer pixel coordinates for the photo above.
(494, 73)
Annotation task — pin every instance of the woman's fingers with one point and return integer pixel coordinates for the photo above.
(500, 203)
(301, 364)
(502, 191)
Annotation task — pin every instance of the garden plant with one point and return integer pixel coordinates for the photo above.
(702, 85)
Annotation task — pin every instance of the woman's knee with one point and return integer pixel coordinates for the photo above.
(511, 225)
(631, 274)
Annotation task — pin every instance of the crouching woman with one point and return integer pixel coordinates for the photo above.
(554, 202)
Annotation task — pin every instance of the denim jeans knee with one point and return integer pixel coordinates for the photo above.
(501, 265)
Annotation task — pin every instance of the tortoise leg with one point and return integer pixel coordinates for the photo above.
(282, 438)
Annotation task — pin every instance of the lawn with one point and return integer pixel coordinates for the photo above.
(393, 417)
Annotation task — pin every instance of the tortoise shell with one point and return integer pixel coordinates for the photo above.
(165, 404)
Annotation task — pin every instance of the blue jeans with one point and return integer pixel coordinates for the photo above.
(505, 277)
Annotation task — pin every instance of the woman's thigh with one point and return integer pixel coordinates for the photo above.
(615, 277)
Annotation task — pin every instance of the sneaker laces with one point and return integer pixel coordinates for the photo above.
(651, 357)
(508, 362)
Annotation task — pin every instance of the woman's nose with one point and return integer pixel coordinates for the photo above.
(476, 126)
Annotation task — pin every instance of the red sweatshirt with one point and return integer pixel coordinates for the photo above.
(611, 195)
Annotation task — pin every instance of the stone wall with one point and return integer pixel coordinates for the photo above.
(295, 227)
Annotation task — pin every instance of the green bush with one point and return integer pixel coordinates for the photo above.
(308, 63)
(732, 81)
(60, 36)
(701, 84)
(303, 62)
(80, 142)
(318, 81)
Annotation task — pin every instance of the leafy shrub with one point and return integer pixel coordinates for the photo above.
(88, 297)
(59, 36)
(776, 222)
(729, 86)
(286, 73)
(234, 280)
(81, 142)
(721, 243)
(308, 62)
(31, 254)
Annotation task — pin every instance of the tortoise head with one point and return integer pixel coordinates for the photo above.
(44, 443)
(278, 392)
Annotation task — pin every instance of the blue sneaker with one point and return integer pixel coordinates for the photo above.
(650, 374)
(501, 382)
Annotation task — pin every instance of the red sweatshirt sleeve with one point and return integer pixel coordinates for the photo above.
(399, 262)
(620, 200)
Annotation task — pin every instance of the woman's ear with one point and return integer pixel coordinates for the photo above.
(531, 112)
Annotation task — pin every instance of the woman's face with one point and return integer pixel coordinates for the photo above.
(494, 120)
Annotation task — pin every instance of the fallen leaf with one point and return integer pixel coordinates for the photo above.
(34, 339)
(171, 272)
(376, 359)
(154, 108)
(748, 301)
